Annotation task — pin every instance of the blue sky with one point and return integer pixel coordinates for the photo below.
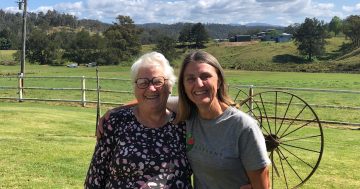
(276, 12)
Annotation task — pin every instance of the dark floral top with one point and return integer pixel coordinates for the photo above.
(130, 155)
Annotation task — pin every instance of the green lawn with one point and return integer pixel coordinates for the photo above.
(44, 146)
(48, 146)
(332, 81)
(6, 55)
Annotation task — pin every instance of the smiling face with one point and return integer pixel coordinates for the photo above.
(152, 97)
(201, 83)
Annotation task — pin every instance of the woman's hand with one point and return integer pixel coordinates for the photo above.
(100, 128)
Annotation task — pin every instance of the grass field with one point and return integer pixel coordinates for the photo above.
(332, 81)
(7, 54)
(48, 146)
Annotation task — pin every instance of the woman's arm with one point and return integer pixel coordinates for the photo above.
(99, 166)
(259, 179)
(172, 103)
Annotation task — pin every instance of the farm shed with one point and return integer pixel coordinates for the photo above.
(284, 37)
(240, 38)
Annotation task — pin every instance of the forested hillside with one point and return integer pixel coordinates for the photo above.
(215, 31)
(12, 23)
(59, 39)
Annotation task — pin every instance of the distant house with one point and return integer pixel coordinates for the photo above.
(266, 35)
(240, 38)
(284, 37)
(220, 40)
(272, 35)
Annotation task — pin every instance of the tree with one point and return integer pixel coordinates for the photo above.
(166, 45)
(291, 29)
(5, 43)
(199, 35)
(185, 34)
(123, 40)
(310, 38)
(83, 48)
(335, 25)
(5, 39)
(40, 49)
(352, 29)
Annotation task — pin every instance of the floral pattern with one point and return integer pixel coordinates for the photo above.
(130, 155)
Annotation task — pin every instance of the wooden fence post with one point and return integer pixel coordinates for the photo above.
(20, 87)
(83, 95)
(251, 93)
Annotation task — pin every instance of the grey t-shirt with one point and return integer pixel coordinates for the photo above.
(224, 148)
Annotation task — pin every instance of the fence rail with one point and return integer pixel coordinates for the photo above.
(83, 100)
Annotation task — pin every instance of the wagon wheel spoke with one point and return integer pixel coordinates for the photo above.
(293, 136)
(292, 168)
(265, 114)
(301, 138)
(255, 112)
(281, 158)
(283, 118)
(297, 157)
(252, 112)
(307, 123)
(276, 106)
(293, 120)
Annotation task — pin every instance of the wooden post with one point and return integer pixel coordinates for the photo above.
(251, 93)
(20, 87)
(98, 110)
(83, 95)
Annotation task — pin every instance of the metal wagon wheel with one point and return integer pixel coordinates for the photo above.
(293, 136)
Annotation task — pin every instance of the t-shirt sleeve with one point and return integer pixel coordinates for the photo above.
(252, 146)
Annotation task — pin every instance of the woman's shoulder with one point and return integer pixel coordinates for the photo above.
(122, 112)
(241, 116)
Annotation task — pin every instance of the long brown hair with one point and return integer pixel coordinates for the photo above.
(186, 106)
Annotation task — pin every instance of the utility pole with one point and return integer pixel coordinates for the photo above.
(22, 4)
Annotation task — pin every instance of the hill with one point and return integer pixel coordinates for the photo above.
(215, 31)
(271, 56)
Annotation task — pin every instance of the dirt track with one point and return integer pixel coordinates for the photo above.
(226, 44)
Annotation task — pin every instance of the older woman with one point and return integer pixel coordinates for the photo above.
(226, 148)
(141, 147)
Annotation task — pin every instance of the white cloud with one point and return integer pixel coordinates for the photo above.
(43, 9)
(351, 9)
(325, 6)
(71, 6)
(280, 12)
(12, 9)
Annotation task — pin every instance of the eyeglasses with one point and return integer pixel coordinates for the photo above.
(143, 83)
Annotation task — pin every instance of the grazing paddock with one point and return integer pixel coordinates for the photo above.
(50, 146)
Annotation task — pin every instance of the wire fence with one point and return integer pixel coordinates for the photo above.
(117, 91)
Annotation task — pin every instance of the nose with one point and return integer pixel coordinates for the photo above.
(199, 82)
(151, 87)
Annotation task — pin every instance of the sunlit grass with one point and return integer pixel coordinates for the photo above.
(47, 146)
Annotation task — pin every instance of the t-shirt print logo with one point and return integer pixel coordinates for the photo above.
(189, 142)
